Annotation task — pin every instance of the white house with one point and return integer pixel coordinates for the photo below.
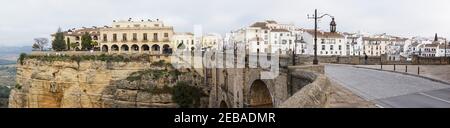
(328, 43)
(268, 37)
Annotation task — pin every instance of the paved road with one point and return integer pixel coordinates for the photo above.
(391, 90)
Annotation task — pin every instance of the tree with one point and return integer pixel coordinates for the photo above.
(59, 44)
(94, 43)
(68, 44)
(86, 42)
(40, 43)
(186, 96)
(35, 47)
(74, 46)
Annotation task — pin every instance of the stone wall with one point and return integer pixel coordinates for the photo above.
(373, 60)
(313, 88)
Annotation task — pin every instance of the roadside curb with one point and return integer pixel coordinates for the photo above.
(428, 78)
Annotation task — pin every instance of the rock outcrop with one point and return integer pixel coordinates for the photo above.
(92, 84)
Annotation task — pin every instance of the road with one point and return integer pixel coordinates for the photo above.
(391, 90)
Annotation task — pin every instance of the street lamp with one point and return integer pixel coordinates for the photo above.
(332, 29)
(294, 52)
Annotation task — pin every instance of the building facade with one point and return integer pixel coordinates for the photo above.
(137, 37)
(268, 37)
(328, 43)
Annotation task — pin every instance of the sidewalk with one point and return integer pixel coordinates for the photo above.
(440, 73)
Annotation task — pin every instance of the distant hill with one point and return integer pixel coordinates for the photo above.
(7, 62)
(8, 53)
(14, 50)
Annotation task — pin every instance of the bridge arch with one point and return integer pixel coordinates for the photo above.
(260, 96)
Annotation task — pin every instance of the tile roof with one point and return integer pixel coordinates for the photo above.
(322, 34)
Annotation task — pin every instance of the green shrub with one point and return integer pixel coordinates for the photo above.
(163, 90)
(22, 58)
(186, 96)
(18, 86)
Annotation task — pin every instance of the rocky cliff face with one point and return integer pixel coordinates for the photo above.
(93, 84)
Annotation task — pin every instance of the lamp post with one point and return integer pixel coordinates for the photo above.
(333, 29)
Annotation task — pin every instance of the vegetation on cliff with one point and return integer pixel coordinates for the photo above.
(79, 58)
(184, 92)
(186, 95)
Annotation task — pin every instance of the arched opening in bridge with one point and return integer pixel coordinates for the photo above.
(145, 48)
(114, 48)
(124, 48)
(223, 104)
(135, 48)
(105, 48)
(260, 95)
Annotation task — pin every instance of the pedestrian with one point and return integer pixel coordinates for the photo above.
(365, 59)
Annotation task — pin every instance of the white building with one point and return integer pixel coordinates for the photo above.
(441, 51)
(211, 42)
(269, 37)
(184, 41)
(328, 43)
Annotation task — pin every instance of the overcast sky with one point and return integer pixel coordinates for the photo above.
(23, 20)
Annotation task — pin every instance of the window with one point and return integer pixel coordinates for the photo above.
(323, 41)
(166, 35)
(105, 37)
(137, 25)
(124, 37)
(114, 37)
(290, 41)
(323, 47)
(340, 47)
(281, 34)
(145, 37)
(257, 43)
(117, 26)
(155, 36)
(134, 36)
(331, 47)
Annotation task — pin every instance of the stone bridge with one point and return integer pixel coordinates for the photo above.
(246, 88)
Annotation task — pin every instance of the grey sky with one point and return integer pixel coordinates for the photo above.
(23, 20)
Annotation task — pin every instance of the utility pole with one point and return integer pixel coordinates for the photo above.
(315, 61)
